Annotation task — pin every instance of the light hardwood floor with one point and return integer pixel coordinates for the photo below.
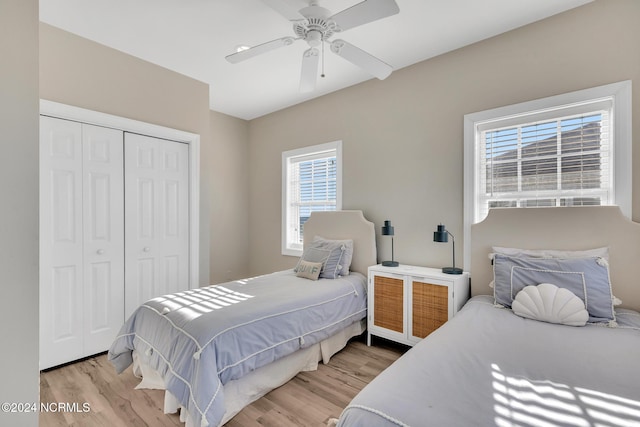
(309, 399)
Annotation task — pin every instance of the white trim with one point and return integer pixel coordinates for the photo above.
(621, 132)
(328, 146)
(69, 112)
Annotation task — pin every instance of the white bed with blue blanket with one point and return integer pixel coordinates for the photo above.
(554, 342)
(216, 349)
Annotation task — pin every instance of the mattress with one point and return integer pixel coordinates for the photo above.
(202, 339)
(489, 367)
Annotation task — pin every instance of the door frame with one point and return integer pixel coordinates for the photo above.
(69, 112)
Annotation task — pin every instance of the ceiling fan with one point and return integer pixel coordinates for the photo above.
(315, 25)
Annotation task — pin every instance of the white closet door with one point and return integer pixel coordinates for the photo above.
(60, 241)
(156, 218)
(103, 219)
(81, 239)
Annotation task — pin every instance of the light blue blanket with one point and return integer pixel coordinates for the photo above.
(199, 340)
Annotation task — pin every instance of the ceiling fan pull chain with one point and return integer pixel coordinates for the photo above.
(322, 75)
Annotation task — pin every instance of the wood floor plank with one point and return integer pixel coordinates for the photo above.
(291, 401)
(248, 417)
(335, 397)
(308, 400)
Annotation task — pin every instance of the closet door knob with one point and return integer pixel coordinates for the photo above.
(100, 251)
(146, 249)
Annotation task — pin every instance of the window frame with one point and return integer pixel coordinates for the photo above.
(620, 123)
(335, 146)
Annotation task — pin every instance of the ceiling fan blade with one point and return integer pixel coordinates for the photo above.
(234, 58)
(362, 59)
(309, 73)
(365, 12)
(284, 9)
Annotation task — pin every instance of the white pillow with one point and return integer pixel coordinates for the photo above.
(549, 303)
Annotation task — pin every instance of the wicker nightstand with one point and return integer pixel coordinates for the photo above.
(407, 303)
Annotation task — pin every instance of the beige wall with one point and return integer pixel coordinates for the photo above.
(79, 72)
(403, 137)
(19, 212)
(229, 198)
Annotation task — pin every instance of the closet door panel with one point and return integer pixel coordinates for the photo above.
(63, 317)
(61, 241)
(98, 316)
(175, 215)
(103, 231)
(64, 206)
(141, 276)
(144, 286)
(157, 218)
(171, 275)
(146, 209)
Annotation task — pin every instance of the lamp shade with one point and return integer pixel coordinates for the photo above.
(441, 235)
(387, 228)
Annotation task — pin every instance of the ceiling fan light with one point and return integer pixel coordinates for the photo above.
(314, 38)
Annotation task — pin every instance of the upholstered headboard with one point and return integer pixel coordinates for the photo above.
(345, 225)
(568, 228)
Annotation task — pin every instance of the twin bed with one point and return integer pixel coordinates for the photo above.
(217, 349)
(491, 367)
(487, 366)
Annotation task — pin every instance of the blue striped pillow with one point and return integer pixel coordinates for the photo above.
(587, 278)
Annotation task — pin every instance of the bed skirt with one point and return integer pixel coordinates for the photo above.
(243, 391)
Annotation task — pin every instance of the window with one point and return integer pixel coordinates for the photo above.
(557, 162)
(567, 150)
(311, 181)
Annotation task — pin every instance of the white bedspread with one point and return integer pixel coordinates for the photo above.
(489, 367)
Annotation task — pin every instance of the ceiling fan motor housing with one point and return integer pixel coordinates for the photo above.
(317, 27)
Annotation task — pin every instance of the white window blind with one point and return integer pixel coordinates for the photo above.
(310, 183)
(565, 161)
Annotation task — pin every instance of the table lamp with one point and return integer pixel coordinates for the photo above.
(442, 236)
(387, 230)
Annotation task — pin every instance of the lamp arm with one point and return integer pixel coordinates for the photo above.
(453, 243)
(392, 257)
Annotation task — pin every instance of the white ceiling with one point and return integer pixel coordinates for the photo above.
(192, 37)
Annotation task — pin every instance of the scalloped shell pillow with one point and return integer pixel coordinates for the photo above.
(548, 303)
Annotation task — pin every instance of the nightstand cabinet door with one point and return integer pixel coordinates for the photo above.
(407, 303)
(429, 306)
(388, 303)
